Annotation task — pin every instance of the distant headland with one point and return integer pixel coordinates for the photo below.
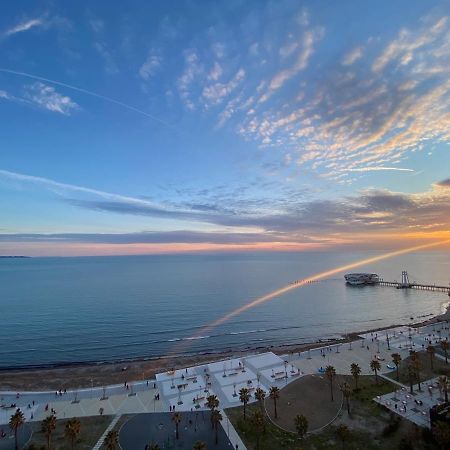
(14, 256)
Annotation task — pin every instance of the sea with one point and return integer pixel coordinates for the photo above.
(61, 311)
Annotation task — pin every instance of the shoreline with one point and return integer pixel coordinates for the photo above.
(86, 374)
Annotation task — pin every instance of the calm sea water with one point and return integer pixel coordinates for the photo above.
(66, 310)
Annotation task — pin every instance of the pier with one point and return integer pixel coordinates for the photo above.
(406, 284)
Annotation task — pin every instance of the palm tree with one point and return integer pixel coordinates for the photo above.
(72, 430)
(346, 392)
(444, 385)
(431, 350)
(15, 422)
(330, 373)
(260, 395)
(415, 361)
(244, 397)
(153, 446)
(258, 425)
(199, 446)
(375, 366)
(48, 426)
(111, 441)
(411, 376)
(396, 359)
(301, 425)
(343, 433)
(274, 394)
(176, 419)
(212, 402)
(445, 345)
(356, 372)
(216, 418)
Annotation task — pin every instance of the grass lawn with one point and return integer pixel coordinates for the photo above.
(370, 424)
(91, 430)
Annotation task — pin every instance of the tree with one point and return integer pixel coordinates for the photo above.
(111, 440)
(431, 350)
(415, 362)
(153, 446)
(199, 446)
(375, 366)
(343, 433)
(176, 419)
(301, 425)
(445, 345)
(216, 418)
(444, 384)
(257, 421)
(274, 394)
(346, 392)
(212, 402)
(48, 426)
(330, 373)
(411, 376)
(15, 422)
(356, 372)
(260, 395)
(396, 359)
(72, 430)
(244, 397)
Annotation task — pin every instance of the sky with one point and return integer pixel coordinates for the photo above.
(156, 127)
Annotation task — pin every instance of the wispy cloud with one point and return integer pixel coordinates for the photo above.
(151, 65)
(378, 169)
(48, 98)
(353, 56)
(24, 26)
(309, 38)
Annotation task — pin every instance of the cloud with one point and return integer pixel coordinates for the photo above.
(401, 50)
(378, 169)
(110, 64)
(48, 98)
(444, 183)
(355, 121)
(151, 65)
(149, 237)
(309, 38)
(24, 26)
(193, 69)
(291, 218)
(215, 93)
(352, 56)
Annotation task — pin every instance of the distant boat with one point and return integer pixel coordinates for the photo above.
(356, 279)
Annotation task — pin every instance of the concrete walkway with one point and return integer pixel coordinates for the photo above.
(103, 436)
(231, 432)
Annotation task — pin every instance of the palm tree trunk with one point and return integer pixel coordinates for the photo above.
(331, 390)
(446, 362)
(217, 434)
(446, 395)
(398, 375)
(15, 439)
(48, 442)
(348, 406)
(376, 376)
(244, 409)
(431, 361)
(275, 407)
(176, 432)
(73, 440)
